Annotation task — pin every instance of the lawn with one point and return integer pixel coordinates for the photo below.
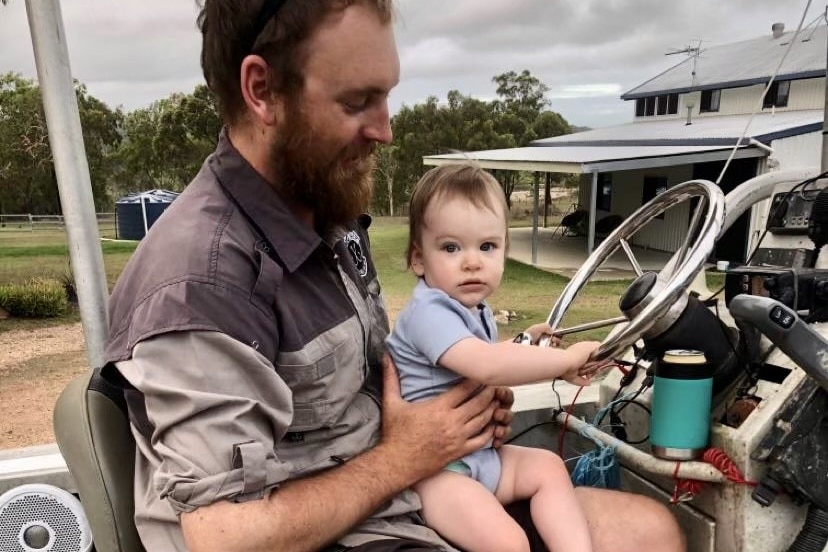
(528, 292)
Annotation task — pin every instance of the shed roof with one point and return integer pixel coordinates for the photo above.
(587, 159)
(742, 64)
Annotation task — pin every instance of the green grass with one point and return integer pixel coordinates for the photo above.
(525, 290)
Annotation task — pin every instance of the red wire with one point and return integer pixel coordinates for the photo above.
(688, 488)
(562, 435)
(569, 409)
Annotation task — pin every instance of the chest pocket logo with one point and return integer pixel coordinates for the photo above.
(354, 246)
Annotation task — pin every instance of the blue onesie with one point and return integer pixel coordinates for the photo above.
(426, 328)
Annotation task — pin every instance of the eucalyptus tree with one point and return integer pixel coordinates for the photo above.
(27, 178)
(462, 123)
(165, 144)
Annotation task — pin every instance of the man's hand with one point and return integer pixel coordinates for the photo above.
(421, 438)
(503, 415)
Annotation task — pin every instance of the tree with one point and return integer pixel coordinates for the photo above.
(166, 143)
(383, 203)
(27, 179)
(465, 124)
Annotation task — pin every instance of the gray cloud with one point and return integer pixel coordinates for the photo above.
(132, 52)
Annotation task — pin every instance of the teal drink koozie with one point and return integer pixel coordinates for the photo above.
(682, 396)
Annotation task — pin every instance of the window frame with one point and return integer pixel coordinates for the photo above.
(712, 103)
(778, 89)
(657, 106)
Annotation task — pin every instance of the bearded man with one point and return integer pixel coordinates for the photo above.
(248, 327)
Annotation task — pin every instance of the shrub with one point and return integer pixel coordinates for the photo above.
(37, 298)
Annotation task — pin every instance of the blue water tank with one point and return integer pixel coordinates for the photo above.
(131, 210)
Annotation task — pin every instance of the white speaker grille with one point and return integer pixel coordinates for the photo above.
(37, 518)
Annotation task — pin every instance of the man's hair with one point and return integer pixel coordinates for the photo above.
(465, 181)
(229, 35)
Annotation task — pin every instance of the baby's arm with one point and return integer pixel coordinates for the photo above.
(509, 363)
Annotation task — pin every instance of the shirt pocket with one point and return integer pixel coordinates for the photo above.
(324, 378)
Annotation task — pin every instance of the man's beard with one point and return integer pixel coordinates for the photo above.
(336, 185)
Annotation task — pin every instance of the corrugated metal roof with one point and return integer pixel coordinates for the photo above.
(742, 64)
(585, 154)
(705, 131)
(587, 159)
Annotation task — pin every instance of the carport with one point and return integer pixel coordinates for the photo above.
(641, 145)
(591, 160)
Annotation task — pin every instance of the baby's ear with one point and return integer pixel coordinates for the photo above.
(417, 262)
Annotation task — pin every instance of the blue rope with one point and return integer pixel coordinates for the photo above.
(598, 467)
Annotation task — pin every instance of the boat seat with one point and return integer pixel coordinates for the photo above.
(93, 434)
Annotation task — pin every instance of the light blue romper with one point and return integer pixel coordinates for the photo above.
(429, 324)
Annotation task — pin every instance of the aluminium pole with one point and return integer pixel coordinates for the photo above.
(74, 185)
(824, 159)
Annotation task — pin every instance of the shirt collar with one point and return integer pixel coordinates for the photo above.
(292, 239)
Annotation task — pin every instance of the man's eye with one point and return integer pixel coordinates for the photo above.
(356, 105)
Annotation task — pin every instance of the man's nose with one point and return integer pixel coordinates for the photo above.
(378, 127)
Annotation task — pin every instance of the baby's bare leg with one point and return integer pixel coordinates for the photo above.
(541, 476)
(464, 512)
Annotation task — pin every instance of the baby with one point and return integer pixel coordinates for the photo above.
(457, 248)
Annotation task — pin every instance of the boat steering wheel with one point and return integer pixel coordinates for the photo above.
(662, 292)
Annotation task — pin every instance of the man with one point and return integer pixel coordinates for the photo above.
(250, 326)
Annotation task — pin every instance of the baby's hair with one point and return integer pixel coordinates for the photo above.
(466, 181)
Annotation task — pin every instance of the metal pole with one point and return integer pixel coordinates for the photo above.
(536, 191)
(824, 164)
(593, 207)
(74, 184)
(144, 214)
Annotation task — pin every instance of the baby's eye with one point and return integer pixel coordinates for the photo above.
(488, 246)
(451, 248)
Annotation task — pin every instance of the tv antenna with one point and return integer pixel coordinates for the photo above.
(690, 51)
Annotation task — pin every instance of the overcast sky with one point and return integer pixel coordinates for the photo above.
(132, 52)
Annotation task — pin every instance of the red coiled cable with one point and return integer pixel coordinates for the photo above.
(686, 489)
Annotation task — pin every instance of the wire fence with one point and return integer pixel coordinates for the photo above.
(39, 223)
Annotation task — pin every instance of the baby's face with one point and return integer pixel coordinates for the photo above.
(462, 250)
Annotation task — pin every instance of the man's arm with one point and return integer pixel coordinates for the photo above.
(306, 514)
(206, 394)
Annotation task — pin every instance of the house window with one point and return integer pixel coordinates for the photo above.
(653, 186)
(649, 106)
(672, 104)
(604, 200)
(639, 107)
(710, 100)
(665, 104)
(661, 109)
(777, 95)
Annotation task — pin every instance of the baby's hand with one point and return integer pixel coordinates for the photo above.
(584, 349)
(579, 375)
(537, 331)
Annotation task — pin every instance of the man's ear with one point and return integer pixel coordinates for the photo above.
(255, 79)
(417, 261)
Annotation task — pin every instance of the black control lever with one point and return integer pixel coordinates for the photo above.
(792, 335)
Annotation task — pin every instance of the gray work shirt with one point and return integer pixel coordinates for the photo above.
(253, 345)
